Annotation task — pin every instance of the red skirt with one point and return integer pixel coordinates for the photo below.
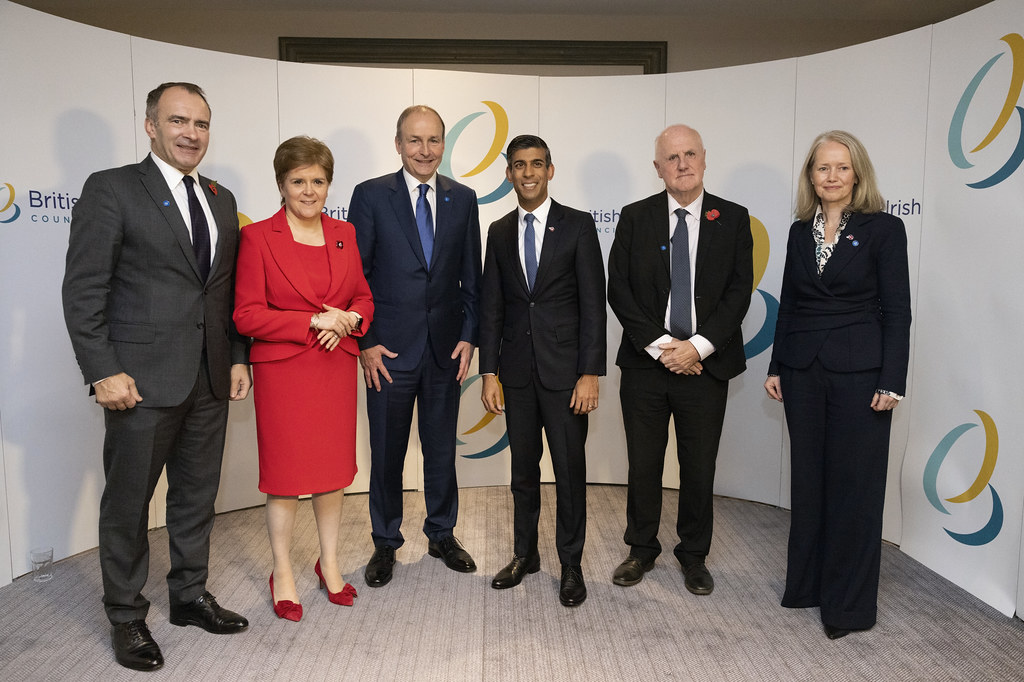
(306, 422)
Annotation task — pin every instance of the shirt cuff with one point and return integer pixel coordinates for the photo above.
(652, 348)
(882, 391)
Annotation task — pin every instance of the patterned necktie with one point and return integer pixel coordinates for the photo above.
(530, 251)
(200, 228)
(679, 317)
(425, 223)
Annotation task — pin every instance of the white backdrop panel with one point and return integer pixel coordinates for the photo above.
(879, 92)
(66, 113)
(482, 112)
(360, 130)
(242, 92)
(960, 470)
(602, 146)
(753, 170)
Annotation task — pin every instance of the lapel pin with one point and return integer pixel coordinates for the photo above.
(339, 244)
(856, 243)
(663, 247)
(166, 203)
(447, 199)
(551, 228)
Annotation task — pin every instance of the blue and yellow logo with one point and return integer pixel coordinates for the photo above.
(487, 450)
(956, 125)
(764, 338)
(988, 466)
(500, 117)
(9, 211)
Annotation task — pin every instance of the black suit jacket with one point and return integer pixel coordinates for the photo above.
(410, 300)
(561, 326)
(134, 301)
(856, 315)
(639, 282)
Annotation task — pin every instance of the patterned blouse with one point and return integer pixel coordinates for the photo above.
(823, 251)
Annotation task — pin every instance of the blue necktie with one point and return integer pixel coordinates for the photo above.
(200, 228)
(530, 251)
(425, 223)
(679, 317)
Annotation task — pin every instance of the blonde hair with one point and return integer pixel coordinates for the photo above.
(866, 197)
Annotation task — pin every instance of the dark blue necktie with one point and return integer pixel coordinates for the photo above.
(200, 228)
(530, 251)
(679, 317)
(425, 223)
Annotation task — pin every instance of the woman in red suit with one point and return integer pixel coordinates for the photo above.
(300, 293)
(840, 358)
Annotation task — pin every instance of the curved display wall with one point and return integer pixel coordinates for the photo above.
(939, 109)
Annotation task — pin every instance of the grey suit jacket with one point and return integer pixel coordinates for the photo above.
(134, 301)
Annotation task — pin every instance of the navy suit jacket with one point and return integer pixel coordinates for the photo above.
(639, 282)
(856, 315)
(414, 303)
(134, 300)
(561, 326)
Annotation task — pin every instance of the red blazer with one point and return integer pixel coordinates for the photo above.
(273, 297)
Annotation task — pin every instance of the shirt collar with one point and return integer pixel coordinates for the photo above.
(540, 213)
(172, 176)
(693, 209)
(414, 184)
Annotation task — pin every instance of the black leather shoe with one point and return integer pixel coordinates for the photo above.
(134, 647)
(833, 632)
(631, 571)
(573, 590)
(698, 578)
(454, 554)
(205, 612)
(382, 563)
(513, 574)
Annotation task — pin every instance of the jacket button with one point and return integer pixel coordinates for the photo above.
(199, 325)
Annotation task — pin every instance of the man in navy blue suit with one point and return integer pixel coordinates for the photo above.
(543, 333)
(419, 238)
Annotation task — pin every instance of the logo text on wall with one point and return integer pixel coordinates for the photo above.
(955, 140)
(991, 529)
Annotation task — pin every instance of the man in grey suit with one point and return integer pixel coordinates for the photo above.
(147, 301)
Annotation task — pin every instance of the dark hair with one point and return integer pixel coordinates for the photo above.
(416, 109)
(300, 151)
(153, 98)
(521, 142)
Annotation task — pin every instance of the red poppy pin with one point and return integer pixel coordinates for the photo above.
(712, 214)
(213, 187)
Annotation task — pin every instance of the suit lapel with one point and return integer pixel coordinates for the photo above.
(554, 237)
(401, 203)
(225, 222)
(707, 232)
(285, 253)
(509, 242)
(442, 214)
(155, 184)
(851, 243)
(662, 237)
(336, 256)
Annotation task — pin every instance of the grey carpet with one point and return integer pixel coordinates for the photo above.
(431, 624)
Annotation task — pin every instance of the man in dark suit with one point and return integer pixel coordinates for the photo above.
(680, 274)
(419, 237)
(147, 301)
(543, 333)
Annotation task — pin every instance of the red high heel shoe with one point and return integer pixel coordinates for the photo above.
(344, 598)
(285, 608)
